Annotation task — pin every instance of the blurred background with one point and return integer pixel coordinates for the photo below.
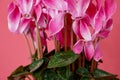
(14, 51)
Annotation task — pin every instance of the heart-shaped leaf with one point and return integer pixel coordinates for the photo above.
(20, 71)
(62, 59)
(83, 72)
(50, 74)
(100, 74)
(86, 78)
(35, 65)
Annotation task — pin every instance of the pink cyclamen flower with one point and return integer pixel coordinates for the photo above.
(57, 23)
(24, 16)
(101, 23)
(14, 17)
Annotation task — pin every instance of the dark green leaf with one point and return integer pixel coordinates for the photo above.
(34, 56)
(20, 71)
(50, 74)
(35, 65)
(86, 78)
(101, 73)
(74, 77)
(62, 59)
(36, 74)
(83, 72)
(63, 72)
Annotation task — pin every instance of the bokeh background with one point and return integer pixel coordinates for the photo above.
(14, 51)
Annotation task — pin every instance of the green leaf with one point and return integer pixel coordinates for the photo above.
(20, 71)
(63, 72)
(100, 74)
(35, 65)
(50, 74)
(37, 73)
(83, 72)
(74, 77)
(62, 59)
(34, 56)
(86, 78)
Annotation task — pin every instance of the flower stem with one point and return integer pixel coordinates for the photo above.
(57, 45)
(93, 66)
(72, 42)
(32, 41)
(40, 51)
(65, 32)
(29, 48)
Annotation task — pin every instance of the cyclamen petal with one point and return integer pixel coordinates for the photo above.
(91, 11)
(104, 33)
(99, 4)
(24, 25)
(56, 24)
(99, 20)
(37, 2)
(98, 54)
(25, 6)
(82, 6)
(43, 22)
(78, 8)
(78, 47)
(76, 28)
(14, 19)
(56, 4)
(106, 29)
(110, 8)
(85, 32)
(89, 50)
(38, 11)
(11, 7)
(109, 25)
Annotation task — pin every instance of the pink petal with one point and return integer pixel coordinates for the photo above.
(76, 28)
(60, 37)
(71, 5)
(82, 6)
(14, 19)
(99, 4)
(11, 7)
(78, 8)
(99, 20)
(56, 24)
(89, 50)
(37, 2)
(78, 47)
(43, 37)
(110, 8)
(109, 25)
(84, 30)
(104, 33)
(56, 4)
(91, 11)
(106, 29)
(43, 21)
(98, 54)
(25, 6)
(24, 25)
(31, 27)
(38, 11)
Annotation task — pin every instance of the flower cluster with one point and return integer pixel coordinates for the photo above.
(90, 20)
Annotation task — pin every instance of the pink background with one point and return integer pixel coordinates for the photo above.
(14, 51)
